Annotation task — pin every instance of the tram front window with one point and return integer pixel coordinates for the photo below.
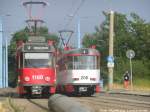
(38, 60)
(84, 62)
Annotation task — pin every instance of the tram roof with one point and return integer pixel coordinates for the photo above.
(82, 51)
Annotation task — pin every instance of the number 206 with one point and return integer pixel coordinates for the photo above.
(84, 77)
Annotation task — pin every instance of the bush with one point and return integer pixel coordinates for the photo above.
(140, 69)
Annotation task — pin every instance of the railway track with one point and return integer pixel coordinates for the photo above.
(99, 103)
(110, 104)
(38, 105)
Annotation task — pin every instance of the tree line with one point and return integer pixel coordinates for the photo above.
(130, 32)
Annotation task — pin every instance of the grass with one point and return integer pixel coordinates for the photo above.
(8, 105)
(15, 107)
(138, 85)
(142, 84)
(2, 107)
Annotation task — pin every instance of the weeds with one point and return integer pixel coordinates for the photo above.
(15, 107)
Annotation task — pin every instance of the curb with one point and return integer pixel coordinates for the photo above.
(131, 93)
(127, 92)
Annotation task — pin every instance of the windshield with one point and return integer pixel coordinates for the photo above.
(38, 60)
(83, 62)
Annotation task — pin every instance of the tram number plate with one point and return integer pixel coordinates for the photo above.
(37, 77)
(84, 77)
(82, 89)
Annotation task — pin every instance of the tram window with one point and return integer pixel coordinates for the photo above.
(79, 62)
(69, 62)
(21, 60)
(98, 62)
(38, 60)
(85, 62)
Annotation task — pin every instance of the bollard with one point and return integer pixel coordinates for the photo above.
(61, 103)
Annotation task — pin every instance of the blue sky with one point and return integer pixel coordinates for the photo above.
(56, 14)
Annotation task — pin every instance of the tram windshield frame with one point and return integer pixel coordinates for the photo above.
(38, 60)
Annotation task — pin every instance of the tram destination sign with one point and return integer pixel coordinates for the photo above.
(36, 47)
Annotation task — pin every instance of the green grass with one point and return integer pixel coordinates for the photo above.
(142, 84)
(138, 85)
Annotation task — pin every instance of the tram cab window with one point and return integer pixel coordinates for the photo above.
(83, 62)
(38, 60)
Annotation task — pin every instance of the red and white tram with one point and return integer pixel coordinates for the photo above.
(36, 68)
(79, 72)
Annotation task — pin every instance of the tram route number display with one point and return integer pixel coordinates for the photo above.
(37, 48)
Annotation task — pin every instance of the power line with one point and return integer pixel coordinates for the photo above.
(76, 11)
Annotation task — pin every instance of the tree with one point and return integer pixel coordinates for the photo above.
(52, 37)
(131, 33)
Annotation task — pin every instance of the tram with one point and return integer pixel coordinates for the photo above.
(79, 72)
(36, 68)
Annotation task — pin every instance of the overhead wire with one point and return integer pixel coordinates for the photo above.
(76, 11)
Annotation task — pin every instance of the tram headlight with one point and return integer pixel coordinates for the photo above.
(75, 79)
(93, 79)
(47, 78)
(27, 78)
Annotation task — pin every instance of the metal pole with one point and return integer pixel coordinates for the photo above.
(111, 32)
(6, 63)
(79, 34)
(131, 74)
(1, 53)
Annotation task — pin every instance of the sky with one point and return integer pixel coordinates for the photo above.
(65, 14)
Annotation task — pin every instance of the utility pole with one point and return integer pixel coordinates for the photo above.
(1, 41)
(110, 63)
